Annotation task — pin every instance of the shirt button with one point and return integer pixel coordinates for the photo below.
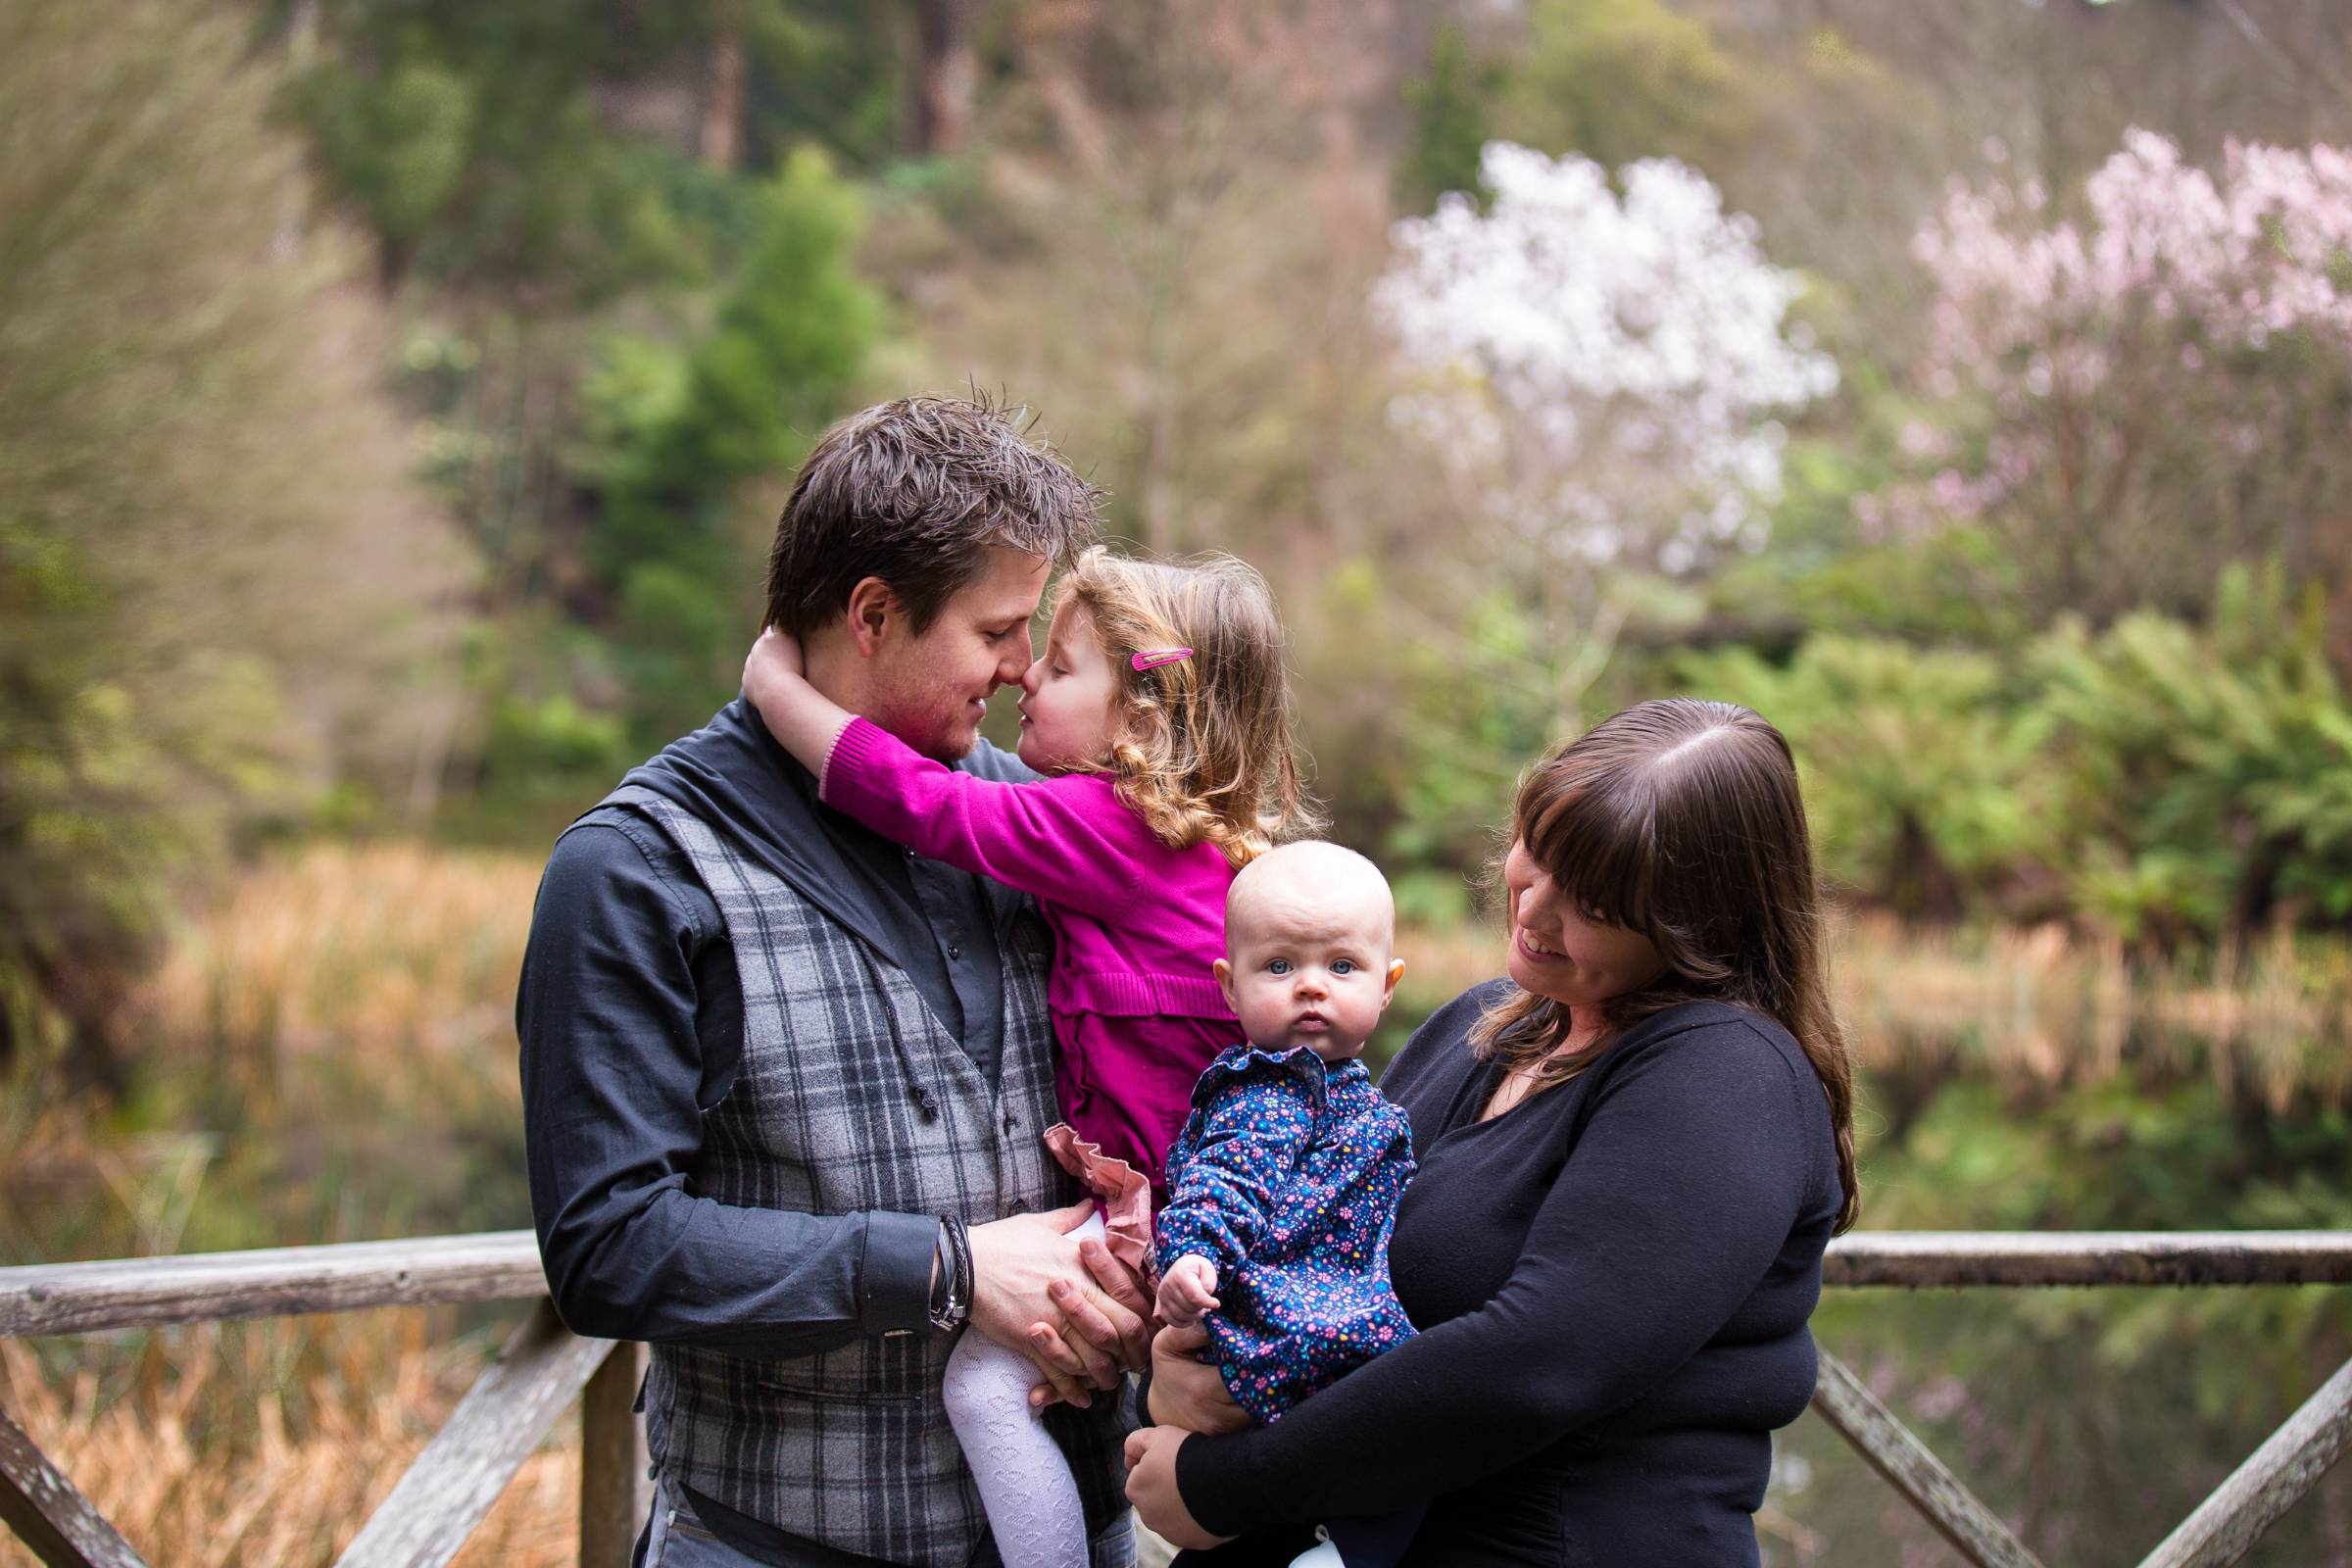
(955, 950)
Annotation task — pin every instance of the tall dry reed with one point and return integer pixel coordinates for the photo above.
(2042, 1006)
(268, 1445)
(381, 971)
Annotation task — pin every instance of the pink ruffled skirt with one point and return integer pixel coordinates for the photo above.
(1121, 1190)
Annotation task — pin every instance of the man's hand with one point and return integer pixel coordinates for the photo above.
(1188, 1289)
(1152, 1487)
(1127, 1337)
(1027, 1270)
(1186, 1392)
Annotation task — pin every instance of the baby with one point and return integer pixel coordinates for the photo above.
(1284, 1183)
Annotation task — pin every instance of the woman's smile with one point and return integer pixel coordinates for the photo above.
(1536, 949)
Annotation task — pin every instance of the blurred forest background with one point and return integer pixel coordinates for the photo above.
(396, 397)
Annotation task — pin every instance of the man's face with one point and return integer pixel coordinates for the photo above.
(931, 690)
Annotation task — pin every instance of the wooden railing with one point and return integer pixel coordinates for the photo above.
(543, 1367)
(2226, 1525)
(539, 1371)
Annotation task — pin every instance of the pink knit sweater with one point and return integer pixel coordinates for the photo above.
(1136, 925)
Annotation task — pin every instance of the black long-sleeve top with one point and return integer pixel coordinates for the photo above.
(1612, 1282)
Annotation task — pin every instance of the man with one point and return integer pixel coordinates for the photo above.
(783, 1081)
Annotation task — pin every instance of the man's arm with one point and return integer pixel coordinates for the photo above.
(613, 1089)
(613, 1076)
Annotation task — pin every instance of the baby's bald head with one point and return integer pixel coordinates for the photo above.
(1314, 881)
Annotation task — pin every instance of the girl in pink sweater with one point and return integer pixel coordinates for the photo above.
(1159, 714)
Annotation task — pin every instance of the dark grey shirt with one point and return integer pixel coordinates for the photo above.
(630, 1016)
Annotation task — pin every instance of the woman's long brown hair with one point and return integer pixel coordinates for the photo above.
(1682, 819)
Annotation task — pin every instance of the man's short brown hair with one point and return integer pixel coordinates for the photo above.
(914, 492)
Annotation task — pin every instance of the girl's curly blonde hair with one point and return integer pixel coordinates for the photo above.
(1206, 748)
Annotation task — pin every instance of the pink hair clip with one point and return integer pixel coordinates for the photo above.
(1153, 657)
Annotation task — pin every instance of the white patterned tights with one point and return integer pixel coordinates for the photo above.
(1024, 1482)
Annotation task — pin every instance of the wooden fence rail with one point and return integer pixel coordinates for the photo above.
(544, 1367)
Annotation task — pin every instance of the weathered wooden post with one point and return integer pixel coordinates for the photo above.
(426, 1520)
(48, 1513)
(614, 1490)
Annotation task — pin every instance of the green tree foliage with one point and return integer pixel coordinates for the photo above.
(2167, 781)
(508, 146)
(211, 566)
(1621, 79)
(1918, 764)
(829, 73)
(469, 139)
(634, 304)
(789, 336)
(682, 431)
(2209, 769)
(1452, 106)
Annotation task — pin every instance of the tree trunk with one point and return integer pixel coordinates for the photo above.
(947, 75)
(1920, 885)
(302, 51)
(721, 138)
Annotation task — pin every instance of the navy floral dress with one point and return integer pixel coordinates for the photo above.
(1286, 1177)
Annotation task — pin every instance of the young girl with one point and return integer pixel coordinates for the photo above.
(1159, 714)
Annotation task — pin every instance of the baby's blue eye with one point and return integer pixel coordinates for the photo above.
(1278, 966)
(1342, 966)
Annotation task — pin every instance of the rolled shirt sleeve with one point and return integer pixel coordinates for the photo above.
(616, 1078)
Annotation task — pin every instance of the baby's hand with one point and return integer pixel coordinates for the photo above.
(774, 659)
(1187, 1290)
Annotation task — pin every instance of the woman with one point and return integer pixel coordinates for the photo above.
(1633, 1152)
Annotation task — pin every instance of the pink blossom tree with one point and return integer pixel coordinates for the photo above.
(2129, 398)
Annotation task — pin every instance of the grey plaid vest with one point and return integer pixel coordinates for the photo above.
(850, 1096)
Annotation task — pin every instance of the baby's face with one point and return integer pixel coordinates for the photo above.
(1307, 970)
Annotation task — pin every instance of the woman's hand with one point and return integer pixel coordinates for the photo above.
(1152, 1487)
(1187, 1392)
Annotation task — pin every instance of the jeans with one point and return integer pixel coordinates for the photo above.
(675, 1539)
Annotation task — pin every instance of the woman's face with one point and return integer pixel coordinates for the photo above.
(1557, 952)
